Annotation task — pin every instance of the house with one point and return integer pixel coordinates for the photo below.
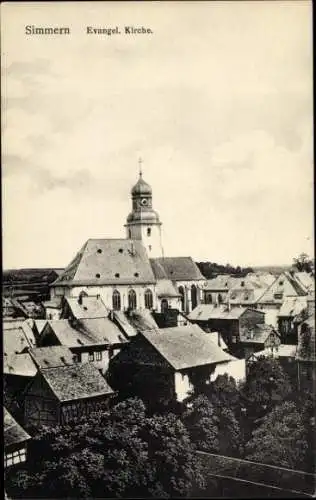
(52, 357)
(53, 307)
(305, 356)
(243, 291)
(61, 394)
(258, 338)
(15, 441)
(91, 340)
(18, 371)
(84, 307)
(285, 285)
(229, 321)
(18, 337)
(290, 315)
(172, 361)
(185, 277)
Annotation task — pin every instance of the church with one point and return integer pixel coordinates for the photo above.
(133, 273)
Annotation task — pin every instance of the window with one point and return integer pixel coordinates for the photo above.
(116, 300)
(76, 358)
(220, 298)
(132, 300)
(91, 356)
(193, 297)
(234, 339)
(149, 301)
(98, 356)
(164, 306)
(181, 291)
(15, 457)
(98, 275)
(148, 231)
(117, 275)
(278, 295)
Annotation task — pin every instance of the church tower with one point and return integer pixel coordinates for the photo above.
(143, 222)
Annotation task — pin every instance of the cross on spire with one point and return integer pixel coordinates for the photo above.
(140, 161)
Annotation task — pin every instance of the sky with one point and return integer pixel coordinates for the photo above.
(217, 101)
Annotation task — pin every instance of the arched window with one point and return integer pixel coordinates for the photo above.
(193, 296)
(132, 301)
(220, 298)
(149, 301)
(116, 300)
(148, 231)
(181, 291)
(130, 234)
(164, 306)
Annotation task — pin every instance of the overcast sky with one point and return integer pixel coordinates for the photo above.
(217, 102)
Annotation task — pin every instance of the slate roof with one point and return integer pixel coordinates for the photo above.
(86, 332)
(87, 308)
(19, 364)
(245, 295)
(258, 334)
(165, 288)
(13, 432)
(78, 381)
(292, 306)
(225, 282)
(108, 262)
(186, 347)
(121, 319)
(306, 279)
(52, 356)
(142, 320)
(204, 312)
(285, 285)
(16, 339)
(176, 269)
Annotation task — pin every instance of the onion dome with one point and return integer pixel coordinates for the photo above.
(141, 187)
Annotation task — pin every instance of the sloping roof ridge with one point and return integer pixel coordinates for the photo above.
(157, 331)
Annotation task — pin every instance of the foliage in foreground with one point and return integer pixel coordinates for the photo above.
(280, 439)
(121, 453)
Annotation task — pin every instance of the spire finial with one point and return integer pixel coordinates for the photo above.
(140, 161)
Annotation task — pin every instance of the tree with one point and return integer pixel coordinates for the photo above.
(280, 439)
(303, 263)
(266, 385)
(206, 420)
(117, 453)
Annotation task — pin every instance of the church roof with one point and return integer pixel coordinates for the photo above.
(87, 307)
(108, 262)
(176, 269)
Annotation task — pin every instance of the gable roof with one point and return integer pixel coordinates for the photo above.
(87, 307)
(19, 364)
(292, 306)
(142, 320)
(186, 347)
(52, 356)
(16, 339)
(258, 334)
(204, 312)
(176, 269)
(225, 282)
(86, 332)
(285, 285)
(108, 262)
(77, 381)
(121, 319)
(305, 279)
(13, 432)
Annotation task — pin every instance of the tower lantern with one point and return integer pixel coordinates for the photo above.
(143, 222)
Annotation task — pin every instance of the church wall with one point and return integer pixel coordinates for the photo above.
(106, 293)
(187, 288)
